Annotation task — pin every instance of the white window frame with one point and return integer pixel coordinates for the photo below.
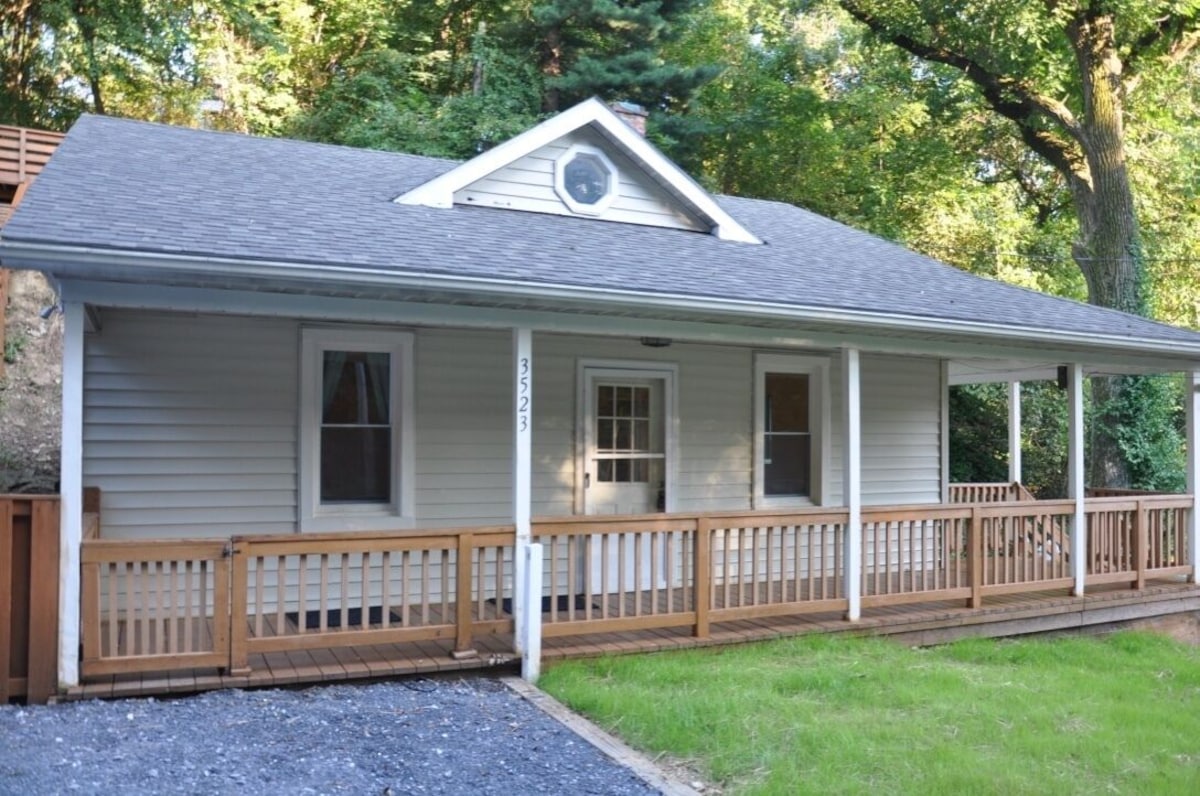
(820, 424)
(560, 187)
(315, 517)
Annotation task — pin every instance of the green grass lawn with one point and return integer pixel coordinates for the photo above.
(824, 714)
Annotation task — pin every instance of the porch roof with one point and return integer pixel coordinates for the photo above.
(138, 202)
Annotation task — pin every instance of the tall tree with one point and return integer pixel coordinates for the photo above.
(128, 57)
(1062, 72)
(613, 49)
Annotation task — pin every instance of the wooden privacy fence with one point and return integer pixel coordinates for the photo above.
(164, 605)
(28, 597)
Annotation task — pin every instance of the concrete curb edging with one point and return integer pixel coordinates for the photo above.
(643, 767)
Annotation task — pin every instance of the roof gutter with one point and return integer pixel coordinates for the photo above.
(52, 258)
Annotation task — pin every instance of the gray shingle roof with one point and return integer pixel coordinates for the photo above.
(122, 185)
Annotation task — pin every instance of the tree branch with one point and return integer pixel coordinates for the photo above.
(1181, 32)
(1006, 95)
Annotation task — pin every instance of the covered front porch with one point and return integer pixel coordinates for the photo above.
(162, 616)
(208, 555)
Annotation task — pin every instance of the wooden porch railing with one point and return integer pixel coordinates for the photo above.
(1002, 492)
(341, 590)
(1130, 539)
(161, 604)
(154, 605)
(164, 605)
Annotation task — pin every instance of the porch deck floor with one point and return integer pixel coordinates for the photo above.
(920, 623)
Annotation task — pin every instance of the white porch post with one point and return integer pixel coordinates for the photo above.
(1014, 432)
(1075, 476)
(944, 428)
(522, 477)
(71, 490)
(852, 481)
(531, 594)
(1191, 402)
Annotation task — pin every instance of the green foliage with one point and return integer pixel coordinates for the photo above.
(1147, 413)
(978, 433)
(613, 50)
(14, 344)
(386, 100)
(825, 714)
(979, 436)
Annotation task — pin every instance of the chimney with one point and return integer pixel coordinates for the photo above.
(632, 114)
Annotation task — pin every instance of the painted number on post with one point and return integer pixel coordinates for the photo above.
(523, 395)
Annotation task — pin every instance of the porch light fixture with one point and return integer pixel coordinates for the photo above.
(655, 342)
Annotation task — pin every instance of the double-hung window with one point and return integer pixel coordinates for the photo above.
(355, 429)
(791, 430)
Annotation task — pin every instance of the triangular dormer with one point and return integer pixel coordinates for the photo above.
(585, 162)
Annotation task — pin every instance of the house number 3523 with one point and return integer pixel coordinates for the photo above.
(523, 395)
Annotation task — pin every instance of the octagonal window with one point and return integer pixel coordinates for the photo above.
(585, 179)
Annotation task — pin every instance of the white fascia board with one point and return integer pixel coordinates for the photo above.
(439, 192)
(69, 262)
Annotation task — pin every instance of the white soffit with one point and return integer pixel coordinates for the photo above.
(993, 371)
(439, 192)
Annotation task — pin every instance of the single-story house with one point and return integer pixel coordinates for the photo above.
(415, 366)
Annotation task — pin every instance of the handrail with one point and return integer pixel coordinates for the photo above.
(604, 573)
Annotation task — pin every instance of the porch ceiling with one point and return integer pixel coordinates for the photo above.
(991, 371)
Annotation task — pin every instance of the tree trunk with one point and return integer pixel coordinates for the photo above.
(1108, 249)
(21, 27)
(85, 17)
(552, 67)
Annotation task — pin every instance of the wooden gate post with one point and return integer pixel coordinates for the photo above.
(239, 657)
(464, 576)
(702, 576)
(975, 557)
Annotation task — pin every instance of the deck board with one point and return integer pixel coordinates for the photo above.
(918, 623)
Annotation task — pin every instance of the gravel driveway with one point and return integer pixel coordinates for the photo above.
(417, 736)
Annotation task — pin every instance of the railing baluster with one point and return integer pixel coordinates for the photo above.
(364, 587)
(344, 592)
(385, 588)
(655, 571)
(572, 589)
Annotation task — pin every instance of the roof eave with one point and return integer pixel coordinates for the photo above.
(75, 262)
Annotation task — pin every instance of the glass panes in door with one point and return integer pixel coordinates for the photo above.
(787, 436)
(623, 434)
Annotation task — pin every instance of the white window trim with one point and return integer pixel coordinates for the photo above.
(400, 512)
(560, 187)
(819, 418)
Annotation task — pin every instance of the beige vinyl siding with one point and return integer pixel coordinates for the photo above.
(464, 427)
(189, 424)
(901, 454)
(528, 184)
(901, 449)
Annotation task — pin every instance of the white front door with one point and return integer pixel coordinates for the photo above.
(625, 467)
(627, 422)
